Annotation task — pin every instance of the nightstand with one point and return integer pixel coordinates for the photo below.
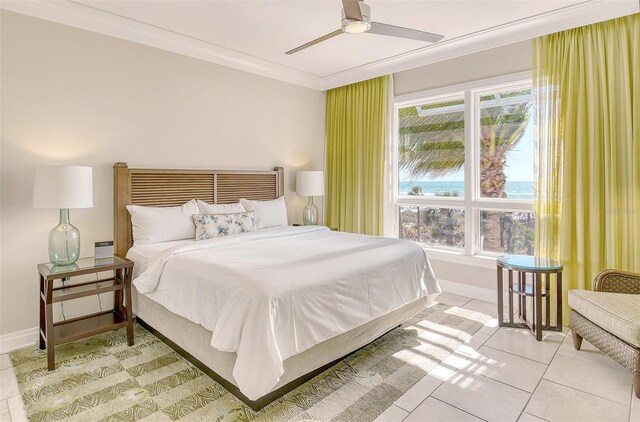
(119, 282)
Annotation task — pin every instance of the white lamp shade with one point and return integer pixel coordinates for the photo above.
(63, 187)
(310, 183)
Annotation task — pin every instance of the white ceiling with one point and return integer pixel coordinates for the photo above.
(253, 35)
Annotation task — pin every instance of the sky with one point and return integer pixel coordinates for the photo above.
(520, 160)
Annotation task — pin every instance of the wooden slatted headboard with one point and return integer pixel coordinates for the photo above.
(169, 188)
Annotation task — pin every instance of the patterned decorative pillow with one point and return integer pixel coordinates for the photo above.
(209, 226)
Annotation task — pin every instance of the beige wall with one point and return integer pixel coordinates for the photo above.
(75, 97)
(475, 276)
(512, 58)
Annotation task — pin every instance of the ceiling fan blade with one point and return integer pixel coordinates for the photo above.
(352, 9)
(401, 32)
(316, 41)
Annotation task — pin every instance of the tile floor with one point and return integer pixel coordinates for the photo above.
(501, 374)
(504, 374)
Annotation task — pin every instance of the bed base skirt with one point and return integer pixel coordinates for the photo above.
(192, 342)
(263, 401)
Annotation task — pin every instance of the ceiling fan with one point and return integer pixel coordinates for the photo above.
(356, 19)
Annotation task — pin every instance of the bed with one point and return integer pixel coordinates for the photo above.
(263, 312)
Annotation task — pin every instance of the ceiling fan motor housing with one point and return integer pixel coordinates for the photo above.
(354, 26)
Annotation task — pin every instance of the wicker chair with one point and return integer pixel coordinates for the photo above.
(622, 313)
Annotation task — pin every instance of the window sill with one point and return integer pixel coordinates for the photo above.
(460, 258)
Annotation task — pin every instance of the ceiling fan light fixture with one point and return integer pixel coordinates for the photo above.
(356, 26)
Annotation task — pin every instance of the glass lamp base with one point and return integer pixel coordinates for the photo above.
(64, 241)
(310, 214)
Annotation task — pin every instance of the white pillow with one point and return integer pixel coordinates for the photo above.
(162, 224)
(207, 208)
(268, 213)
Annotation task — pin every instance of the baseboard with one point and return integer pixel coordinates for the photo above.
(467, 290)
(18, 339)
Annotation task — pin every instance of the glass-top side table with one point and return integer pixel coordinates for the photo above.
(542, 271)
(117, 280)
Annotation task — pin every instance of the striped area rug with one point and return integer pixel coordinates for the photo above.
(102, 379)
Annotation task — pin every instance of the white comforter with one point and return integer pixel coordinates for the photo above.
(272, 294)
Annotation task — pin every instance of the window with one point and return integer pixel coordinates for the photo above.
(507, 232)
(431, 148)
(463, 168)
(434, 226)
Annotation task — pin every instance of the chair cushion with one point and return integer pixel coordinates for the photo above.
(617, 313)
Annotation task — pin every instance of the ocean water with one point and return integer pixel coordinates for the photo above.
(514, 189)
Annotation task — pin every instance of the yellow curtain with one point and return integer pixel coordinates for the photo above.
(356, 132)
(587, 87)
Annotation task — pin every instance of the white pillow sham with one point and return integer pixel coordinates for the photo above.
(207, 208)
(162, 224)
(267, 213)
(209, 226)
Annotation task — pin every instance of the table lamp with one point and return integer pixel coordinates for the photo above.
(310, 183)
(63, 188)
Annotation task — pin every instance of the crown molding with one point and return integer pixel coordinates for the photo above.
(80, 16)
(94, 20)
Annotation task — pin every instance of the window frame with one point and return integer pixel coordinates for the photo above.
(472, 203)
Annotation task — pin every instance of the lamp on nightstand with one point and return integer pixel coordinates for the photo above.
(63, 188)
(310, 183)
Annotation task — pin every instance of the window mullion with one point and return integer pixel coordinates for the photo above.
(392, 227)
(469, 173)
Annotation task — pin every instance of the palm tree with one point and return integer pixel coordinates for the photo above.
(415, 191)
(433, 145)
(502, 128)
